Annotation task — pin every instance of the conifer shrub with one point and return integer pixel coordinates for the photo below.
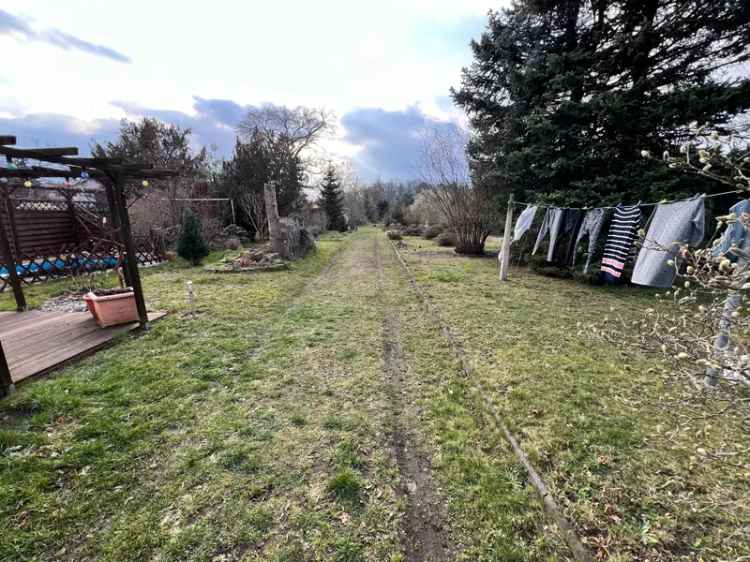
(191, 245)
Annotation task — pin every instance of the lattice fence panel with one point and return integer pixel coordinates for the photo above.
(83, 259)
(97, 248)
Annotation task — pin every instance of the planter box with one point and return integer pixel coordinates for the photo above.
(114, 309)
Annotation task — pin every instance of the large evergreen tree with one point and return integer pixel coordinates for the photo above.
(331, 199)
(563, 95)
(252, 165)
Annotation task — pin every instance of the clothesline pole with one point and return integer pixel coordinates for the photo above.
(505, 255)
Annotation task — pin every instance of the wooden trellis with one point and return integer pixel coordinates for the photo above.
(110, 172)
(56, 238)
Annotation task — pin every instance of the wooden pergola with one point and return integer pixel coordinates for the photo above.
(64, 162)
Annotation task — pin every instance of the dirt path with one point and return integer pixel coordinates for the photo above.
(424, 533)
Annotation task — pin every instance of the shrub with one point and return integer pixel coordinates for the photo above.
(414, 230)
(394, 235)
(191, 245)
(430, 232)
(446, 239)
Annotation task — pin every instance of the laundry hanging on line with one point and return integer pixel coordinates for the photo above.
(680, 221)
(591, 226)
(672, 224)
(621, 237)
(736, 234)
(524, 222)
(571, 225)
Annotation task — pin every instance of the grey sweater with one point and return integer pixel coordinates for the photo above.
(682, 222)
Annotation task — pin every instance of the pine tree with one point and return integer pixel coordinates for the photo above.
(332, 198)
(191, 245)
(563, 95)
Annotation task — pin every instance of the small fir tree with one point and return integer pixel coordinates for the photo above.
(331, 198)
(192, 246)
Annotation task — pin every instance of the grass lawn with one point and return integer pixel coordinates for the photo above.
(318, 413)
(644, 469)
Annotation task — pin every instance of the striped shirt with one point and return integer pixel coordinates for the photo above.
(620, 239)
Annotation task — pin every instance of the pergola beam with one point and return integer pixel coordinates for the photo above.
(63, 155)
(37, 172)
(38, 153)
(129, 170)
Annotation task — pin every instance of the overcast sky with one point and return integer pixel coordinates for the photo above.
(71, 70)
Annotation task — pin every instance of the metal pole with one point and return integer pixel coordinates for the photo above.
(505, 256)
(131, 260)
(234, 216)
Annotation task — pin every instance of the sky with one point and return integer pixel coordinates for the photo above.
(72, 70)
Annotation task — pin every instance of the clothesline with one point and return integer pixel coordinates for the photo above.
(524, 204)
(683, 220)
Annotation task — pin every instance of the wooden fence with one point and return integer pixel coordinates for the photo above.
(57, 238)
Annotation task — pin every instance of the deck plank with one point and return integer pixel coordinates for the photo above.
(37, 342)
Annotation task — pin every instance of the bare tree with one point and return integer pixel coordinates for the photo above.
(287, 131)
(467, 207)
(444, 159)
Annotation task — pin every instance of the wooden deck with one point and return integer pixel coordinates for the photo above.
(37, 342)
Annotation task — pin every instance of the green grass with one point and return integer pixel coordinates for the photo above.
(259, 430)
(635, 459)
(345, 487)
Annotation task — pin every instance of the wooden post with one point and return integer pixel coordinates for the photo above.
(114, 215)
(274, 223)
(6, 382)
(234, 214)
(505, 256)
(131, 261)
(10, 259)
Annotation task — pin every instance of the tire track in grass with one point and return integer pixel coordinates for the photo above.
(296, 297)
(424, 534)
(551, 507)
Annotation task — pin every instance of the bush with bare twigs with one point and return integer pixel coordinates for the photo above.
(467, 208)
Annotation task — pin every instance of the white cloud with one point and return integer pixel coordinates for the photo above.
(340, 54)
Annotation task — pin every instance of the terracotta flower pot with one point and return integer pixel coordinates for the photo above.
(110, 308)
